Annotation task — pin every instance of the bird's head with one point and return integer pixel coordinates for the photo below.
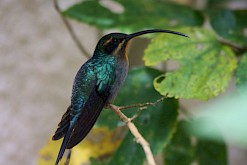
(116, 44)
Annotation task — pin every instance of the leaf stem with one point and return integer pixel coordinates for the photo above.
(71, 31)
(238, 48)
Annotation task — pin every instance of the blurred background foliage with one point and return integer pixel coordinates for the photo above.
(213, 56)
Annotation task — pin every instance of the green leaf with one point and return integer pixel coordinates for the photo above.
(241, 17)
(157, 14)
(241, 74)
(180, 150)
(128, 153)
(156, 123)
(208, 152)
(225, 118)
(206, 66)
(92, 13)
(230, 25)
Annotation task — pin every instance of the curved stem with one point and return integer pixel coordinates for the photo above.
(71, 31)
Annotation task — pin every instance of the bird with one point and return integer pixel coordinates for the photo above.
(95, 86)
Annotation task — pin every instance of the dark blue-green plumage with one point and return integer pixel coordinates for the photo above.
(96, 85)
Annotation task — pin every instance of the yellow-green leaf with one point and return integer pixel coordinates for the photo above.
(99, 142)
(206, 66)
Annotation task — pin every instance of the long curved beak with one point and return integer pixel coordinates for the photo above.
(133, 35)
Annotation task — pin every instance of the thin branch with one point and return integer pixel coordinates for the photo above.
(141, 107)
(144, 105)
(68, 157)
(71, 31)
(138, 137)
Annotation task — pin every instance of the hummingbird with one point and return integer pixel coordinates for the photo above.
(96, 85)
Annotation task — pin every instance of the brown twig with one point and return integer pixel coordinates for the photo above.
(71, 31)
(141, 106)
(144, 105)
(138, 137)
(68, 157)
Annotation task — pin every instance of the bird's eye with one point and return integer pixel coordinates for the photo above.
(115, 40)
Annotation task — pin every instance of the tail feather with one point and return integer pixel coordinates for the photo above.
(64, 144)
(77, 130)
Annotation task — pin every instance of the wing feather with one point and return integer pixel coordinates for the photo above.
(62, 126)
(87, 119)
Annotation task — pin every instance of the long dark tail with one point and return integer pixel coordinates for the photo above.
(64, 144)
(75, 132)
